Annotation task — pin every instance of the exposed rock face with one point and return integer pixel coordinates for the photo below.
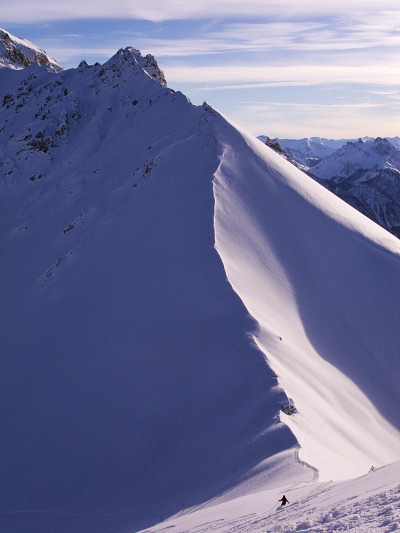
(43, 110)
(18, 53)
(274, 144)
(148, 63)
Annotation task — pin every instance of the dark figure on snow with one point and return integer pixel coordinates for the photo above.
(284, 500)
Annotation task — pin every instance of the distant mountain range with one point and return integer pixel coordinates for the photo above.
(364, 172)
(310, 151)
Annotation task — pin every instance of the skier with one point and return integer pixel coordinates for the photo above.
(284, 500)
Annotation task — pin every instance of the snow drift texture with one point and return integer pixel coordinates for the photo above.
(134, 378)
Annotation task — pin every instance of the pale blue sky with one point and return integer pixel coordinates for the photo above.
(287, 69)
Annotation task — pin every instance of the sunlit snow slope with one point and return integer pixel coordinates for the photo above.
(322, 281)
(362, 505)
(17, 53)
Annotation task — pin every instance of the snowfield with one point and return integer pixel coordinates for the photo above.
(362, 505)
(187, 319)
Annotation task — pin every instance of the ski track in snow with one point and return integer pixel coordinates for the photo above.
(315, 508)
(373, 514)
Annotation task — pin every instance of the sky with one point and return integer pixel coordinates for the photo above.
(284, 68)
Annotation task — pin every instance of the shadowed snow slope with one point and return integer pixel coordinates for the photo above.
(131, 385)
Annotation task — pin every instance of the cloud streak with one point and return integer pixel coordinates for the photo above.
(270, 36)
(295, 120)
(263, 106)
(295, 37)
(247, 76)
(158, 10)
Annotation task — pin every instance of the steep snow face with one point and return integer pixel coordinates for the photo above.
(321, 280)
(18, 53)
(130, 386)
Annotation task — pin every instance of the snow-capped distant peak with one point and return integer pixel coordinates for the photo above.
(134, 57)
(18, 53)
(353, 157)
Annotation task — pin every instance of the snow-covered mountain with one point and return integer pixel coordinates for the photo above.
(395, 141)
(18, 53)
(367, 176)
(355, 158)
(309, 151)
(364, 173)
(186, 315)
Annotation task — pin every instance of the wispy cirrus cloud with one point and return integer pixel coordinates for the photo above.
(346, 124)
(308, 35)
(68, 53)
(159, 10)
(247, 76)
(333, 119)
(283, 46)
(268, 36)
(262, 106)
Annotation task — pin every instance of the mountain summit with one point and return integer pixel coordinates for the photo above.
(186, 315)
(359, 161)
(131, 56)
(18, 53)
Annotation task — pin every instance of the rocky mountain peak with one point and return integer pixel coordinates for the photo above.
(133, 58)
(353, 156)
(18, 53)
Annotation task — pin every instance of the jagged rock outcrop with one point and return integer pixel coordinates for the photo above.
(134, 57)
(42, 112)
(274, 144)
(18, 53)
